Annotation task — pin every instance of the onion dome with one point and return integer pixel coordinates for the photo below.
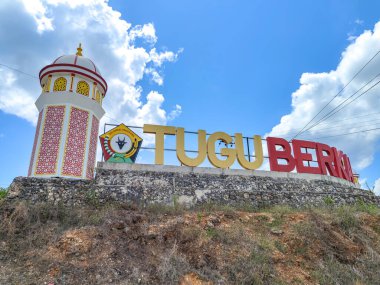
(74, 64)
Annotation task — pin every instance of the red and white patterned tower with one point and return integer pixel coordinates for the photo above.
(70, 107)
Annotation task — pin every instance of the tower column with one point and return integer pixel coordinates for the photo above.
(67, 130)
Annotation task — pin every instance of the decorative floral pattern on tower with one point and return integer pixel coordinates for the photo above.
(51, 137)
(35, 143)
(92, 149)
(75, 143)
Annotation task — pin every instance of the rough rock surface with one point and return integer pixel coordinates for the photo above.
(188, 186)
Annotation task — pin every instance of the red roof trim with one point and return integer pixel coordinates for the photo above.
(72, 65)
(81, 73)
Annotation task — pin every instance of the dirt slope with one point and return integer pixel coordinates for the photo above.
(119, 244)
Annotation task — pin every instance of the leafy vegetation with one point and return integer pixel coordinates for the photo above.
(329, 201)
(3, 192)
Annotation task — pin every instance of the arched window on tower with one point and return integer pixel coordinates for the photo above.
(60, 84)
(83, 88)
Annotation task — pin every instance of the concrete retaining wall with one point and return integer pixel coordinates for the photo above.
(148, 184)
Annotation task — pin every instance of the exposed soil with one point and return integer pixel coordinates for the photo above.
(119, 244)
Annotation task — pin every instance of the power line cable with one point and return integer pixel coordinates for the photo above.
(343, 125)
(18, 70)
(331, 112)
(345, 134)
(340, 107)
(354, 99)
(347, 128)
(336, 95)
(338, 126)
(352, 117)
(352, 125)
(112, 119)
(28, 74)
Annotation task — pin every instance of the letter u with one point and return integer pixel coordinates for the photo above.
(181, 154)
(240, 152)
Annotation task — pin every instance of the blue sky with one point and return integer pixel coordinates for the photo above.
(225, 66)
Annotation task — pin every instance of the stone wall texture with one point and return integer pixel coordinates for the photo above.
(149, 184)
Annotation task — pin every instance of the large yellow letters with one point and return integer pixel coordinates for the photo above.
(180, 145)
(159, 131)
(240, 152)
(227, 152)
(206, 147)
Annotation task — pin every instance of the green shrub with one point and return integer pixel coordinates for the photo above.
(282, 210)
(277, 222)
(329, 201)
(164, 209)
(92, 198)
(257, 268)
(3, 192)
(346, 219)
(365, 271)
(371, 209)
(306, 229)
(280, 246)
(211, 232)
(199, 217)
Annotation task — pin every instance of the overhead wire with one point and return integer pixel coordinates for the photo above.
(336, 95)
(341, 105)
(18, 70)
(303, 129)
(349, 125)
(353, 117)
(350, 133)
(112, 119)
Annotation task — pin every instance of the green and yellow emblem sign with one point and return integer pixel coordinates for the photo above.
(120, 145)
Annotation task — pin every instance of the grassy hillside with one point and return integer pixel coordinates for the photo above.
(123, 244)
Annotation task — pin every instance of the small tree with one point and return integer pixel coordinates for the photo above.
(3, 192)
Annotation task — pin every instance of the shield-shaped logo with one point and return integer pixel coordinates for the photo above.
(120, 145)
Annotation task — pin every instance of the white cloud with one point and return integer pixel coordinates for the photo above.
(156, 77)
(351, 37)
(363, 182)
(377, 187)
(17, 98)
(39, 13)
(38, 31)
(146, 32)
(159, 58)
(175, 113)
(316, 89)
(359, 22)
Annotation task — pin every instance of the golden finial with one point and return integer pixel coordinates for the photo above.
(79, 50)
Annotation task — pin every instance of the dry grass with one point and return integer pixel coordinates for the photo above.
(125, 244)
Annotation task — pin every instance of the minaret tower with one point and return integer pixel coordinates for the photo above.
(70, 107)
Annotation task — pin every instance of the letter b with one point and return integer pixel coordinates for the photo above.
(275, 155)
